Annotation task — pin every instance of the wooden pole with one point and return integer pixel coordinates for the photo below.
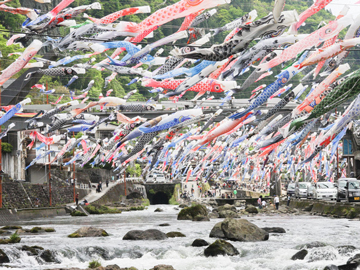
(0, 165)
(125, 182)
(74, 174)
(50, 197)
(47, 96)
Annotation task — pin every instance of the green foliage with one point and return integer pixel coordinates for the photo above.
(101, 209)
(134, 170)
(151, 191)
(49, 230)
(77, 214)
(35, 229)
(145, 202)
(94, 264)
(14, 238)
(78, 135)
(6, 147)
(137, 208)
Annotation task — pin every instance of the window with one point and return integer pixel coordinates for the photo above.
(347, 147)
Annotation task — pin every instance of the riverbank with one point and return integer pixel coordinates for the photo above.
(300, 228)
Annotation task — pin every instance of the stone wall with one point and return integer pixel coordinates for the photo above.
(21, 195)
(115, 193)
(14, 196)
(94, 175)
(323, 208)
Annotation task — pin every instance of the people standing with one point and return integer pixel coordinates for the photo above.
(107, 183)
(77, 198)
(276, 202)
(263, 204)
(100, 186)
(259, 202)
(288, 200)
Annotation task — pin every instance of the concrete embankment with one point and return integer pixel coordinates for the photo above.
(328, 209)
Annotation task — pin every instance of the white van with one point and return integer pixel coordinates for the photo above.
(156, 177)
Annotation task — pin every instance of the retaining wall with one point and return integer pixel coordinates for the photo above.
(323, 208)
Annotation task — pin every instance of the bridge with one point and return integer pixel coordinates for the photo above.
(159, 193)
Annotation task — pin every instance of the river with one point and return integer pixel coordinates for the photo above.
(272, 254)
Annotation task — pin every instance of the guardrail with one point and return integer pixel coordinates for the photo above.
(131, 179)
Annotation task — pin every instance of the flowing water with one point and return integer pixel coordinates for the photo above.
(272, 254)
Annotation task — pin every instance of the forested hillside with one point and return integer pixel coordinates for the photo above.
(225, 14)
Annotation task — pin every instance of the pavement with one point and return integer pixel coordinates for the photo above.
(94, 196)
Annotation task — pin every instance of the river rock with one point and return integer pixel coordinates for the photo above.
(251, 209)
(300, 255)
(312, 245)
(175, 234)
(164, 224)
(242, 230)
(183, 205)
(220, 247)
(88, 232)
(48, 257)
(274, 230)
(227, 214)
(151, 234)
(345, 250)
(217, 232)
(331, 267)
(226, 207)
(201, 218)
(3, 257)
(32, 251)
(189, 213)
(163, 267)
(159, 210)
(199, 243)
(134, 195)
(354, 259)
(213, 215)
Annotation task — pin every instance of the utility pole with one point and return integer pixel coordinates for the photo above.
(47, 96)
(0, 164)
(125, 181)
(74, 173)
(50, 198)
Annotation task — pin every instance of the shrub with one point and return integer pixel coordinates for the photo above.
(14, 238)
(35, 229)
(6, 147)
(94, 264)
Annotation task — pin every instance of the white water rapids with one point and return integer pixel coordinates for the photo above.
(272, 254)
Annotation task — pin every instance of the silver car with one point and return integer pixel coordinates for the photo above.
(322, 191)
(301, 189)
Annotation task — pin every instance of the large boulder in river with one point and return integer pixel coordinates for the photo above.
(48, 257)
(217, 232)
(151, 234)
(163, 267)
(196, 212)
(3, 257)
(220, 247)
(227, 214)
(175, 234)
(226, 207)
(300, 255)
(251, 209)
(88, 232)
(274, 230)
(242, 230)
(199, 243)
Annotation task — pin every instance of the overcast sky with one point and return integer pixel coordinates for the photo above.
(337, 5)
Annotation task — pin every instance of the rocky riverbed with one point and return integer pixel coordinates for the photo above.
(285, 239)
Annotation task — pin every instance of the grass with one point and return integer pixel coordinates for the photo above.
(14, 238)
(145, 202)
(35, 229)
(101, 209)
(94, 264)
(49, 230)
(74, 235)
(137, 208)
(11, 227)
(77, 214)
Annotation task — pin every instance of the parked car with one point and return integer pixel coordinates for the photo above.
(290, 189)
(156, 177)
(341, 191)
(301, 189)
(322, 190)
(353, 191)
